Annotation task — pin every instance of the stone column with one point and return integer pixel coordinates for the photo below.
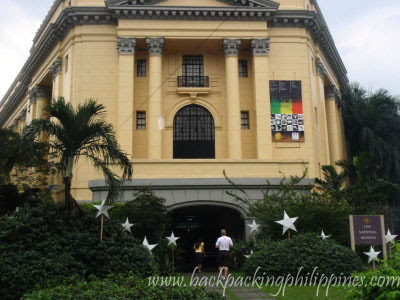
(56, 74)
(262, 104)
(154, 113)
(234, 129)
(126, 49)
(333, 118)
(43, 95)
(32, 106)
(14, 125)
(22, 120)
(322, 73)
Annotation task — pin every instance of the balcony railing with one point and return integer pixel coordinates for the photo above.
(193, 81)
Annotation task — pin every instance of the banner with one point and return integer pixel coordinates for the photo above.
(287, 118)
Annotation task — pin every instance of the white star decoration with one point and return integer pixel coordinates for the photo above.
(147, 245)
(254, 226)
(324, 237)
(248, 256)
(127, 226)
(287, 223)
(390, 237)
(103, 209)
(372, 254)
(172, 239)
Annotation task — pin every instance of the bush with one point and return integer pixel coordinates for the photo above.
(45, 243)
(11, 198)
(120, 288)
(148, 212)
(387, 291)
(315, 212)
(306, 251)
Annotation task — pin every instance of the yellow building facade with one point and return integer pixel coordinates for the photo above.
(192, 88)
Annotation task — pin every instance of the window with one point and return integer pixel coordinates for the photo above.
(192, 65)
(140, 120)
(141, 68)
(194, 133)
(245, 120)
(192, 72)
(243, 69)
(66, 64)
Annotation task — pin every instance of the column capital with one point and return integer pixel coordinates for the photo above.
(155, 45)
(126, 45)
(39, 91)
(260, 47)
(231, 46)
(22, 115)
(14, 124)
(320, 68)
(56, 67)
(331, 92)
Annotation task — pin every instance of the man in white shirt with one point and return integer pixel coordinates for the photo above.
(224, 243)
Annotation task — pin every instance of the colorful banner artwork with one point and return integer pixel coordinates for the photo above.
(287, 118)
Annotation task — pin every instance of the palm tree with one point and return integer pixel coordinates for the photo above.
(372, 126)
(72, 134)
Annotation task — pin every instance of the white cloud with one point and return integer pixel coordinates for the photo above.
(17, 29)
(369, 45)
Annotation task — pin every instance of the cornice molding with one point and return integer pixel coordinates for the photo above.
(231, 46)
(318, 29)
(191, 13)
(237, 3)
(126, 45)
(76, 16)
(56, 67)
(260, 47)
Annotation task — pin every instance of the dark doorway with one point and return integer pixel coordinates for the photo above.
(205, 221)
(194, 133)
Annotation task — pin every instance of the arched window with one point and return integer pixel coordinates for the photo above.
(194, 133)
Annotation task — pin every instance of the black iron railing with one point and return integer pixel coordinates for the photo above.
(193, 81)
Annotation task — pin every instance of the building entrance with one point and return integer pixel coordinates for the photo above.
(206, 222)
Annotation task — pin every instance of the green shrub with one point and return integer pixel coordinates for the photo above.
(306, 251)
(386, 291)
(45, 243)
(148, 212)
(120, 288)
(9, 199)
(315, 212)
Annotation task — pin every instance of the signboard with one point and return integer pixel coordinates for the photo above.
(287, 118)
(367, 230)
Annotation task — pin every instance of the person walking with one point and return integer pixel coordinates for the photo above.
(224, 243)
(199, 254)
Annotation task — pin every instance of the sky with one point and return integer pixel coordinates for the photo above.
(366, 33)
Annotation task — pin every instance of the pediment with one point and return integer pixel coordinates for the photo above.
(209, 3)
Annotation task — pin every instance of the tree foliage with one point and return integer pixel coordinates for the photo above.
(16, 154)
(78, 133)
(372, 126)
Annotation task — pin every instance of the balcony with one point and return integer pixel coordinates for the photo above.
(193, 82)
(193, 85)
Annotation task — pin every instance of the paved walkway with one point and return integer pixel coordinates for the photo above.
(242, 293)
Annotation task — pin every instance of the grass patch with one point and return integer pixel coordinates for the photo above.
(306, 293)
(302, 292)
